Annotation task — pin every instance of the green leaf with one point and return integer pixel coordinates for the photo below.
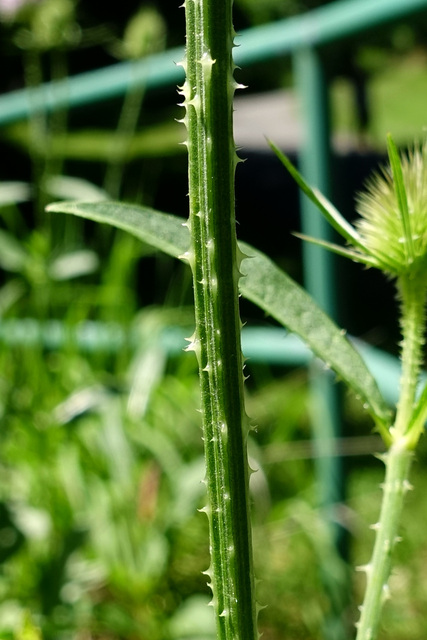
(263, 283)
(163, 231)
(73, 264)
(28, 631)
(14, 192)
(402, 201)
(13, 256)
(356, 256)
(332, 215)
(70, 188)
(94, 145)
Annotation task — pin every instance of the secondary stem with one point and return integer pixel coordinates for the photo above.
(396, 484)
(398, 460)
(412, 292)
(208, 92)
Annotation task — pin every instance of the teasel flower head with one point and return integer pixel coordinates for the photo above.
(391, 233)
(393, 214)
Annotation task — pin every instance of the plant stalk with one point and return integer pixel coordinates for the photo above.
(214, 259)
(398, 459)
(412, 293)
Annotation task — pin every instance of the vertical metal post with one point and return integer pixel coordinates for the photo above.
(320, 282)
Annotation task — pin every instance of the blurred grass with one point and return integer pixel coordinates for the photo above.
(96, 145)
(101, 465)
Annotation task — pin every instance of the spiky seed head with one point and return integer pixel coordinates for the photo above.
(398, 243)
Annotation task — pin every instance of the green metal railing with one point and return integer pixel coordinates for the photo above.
(327, 24)
(270, 345)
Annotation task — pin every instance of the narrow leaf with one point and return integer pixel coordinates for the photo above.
(332, 215)
(402, 201)
(161, 230)
(264, 284)
(341, 251)
(14, 192)
(13, 256)
(70, 188)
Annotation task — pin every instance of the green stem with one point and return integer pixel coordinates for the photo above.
(214, 259)
(398, 460)
(122, 139)
(412, 292)
(396, 484)
(37, 128)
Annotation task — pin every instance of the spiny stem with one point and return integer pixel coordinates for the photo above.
(396, 484)
(412, 292)
(398, 460)
(214, 259)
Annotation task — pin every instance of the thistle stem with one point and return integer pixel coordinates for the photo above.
(214, 259)
(398, 460)
(412, 292)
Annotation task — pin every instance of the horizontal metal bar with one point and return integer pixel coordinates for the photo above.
(267, 345)
(328, 23)
(332, 22)
(93, 86)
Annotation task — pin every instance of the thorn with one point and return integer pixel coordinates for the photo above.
(205, 509)
(187, 256)
(365, 568)
(385, 595)
(381, 456)
(407, 486)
